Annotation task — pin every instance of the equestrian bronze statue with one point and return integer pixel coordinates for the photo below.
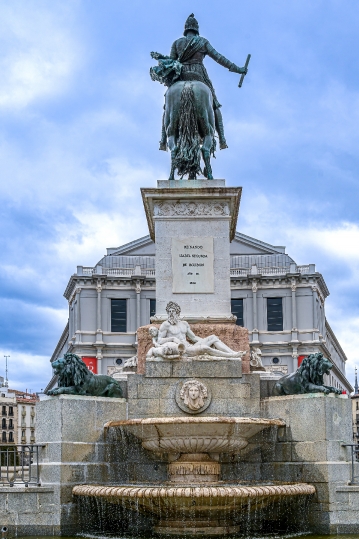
(192, 111)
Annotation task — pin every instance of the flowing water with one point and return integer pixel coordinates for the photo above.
(285, 536)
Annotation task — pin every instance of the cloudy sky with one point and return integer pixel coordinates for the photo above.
(80, 123)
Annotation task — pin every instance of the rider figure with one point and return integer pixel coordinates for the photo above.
(190, 51)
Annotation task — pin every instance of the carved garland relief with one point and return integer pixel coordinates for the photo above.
(181, 208)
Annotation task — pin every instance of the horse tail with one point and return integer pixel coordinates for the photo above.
(188, 155)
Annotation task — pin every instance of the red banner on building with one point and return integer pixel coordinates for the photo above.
(91, 363)
(300, 359)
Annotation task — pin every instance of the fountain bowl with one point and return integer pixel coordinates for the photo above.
(195, 435)
(195, 510)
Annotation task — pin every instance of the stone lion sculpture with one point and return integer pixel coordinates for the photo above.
(307, 379)
(74, 378)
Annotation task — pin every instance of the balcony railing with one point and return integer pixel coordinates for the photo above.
(19, 465)
(354, 480)
(119, 272)
(271, 270)
(235, 272)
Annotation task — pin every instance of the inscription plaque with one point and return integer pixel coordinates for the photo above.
(192, 266)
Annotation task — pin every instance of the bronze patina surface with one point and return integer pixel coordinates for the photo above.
(192, 111)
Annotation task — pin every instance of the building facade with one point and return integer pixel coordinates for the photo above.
(18, 416)
(281, 303)
(9, 418)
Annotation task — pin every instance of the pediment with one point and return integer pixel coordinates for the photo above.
(246, 245)
(241, 245)
(143, 246)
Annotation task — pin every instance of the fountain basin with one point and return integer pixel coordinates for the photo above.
(195, 510)
(195, 434)
(194, 443)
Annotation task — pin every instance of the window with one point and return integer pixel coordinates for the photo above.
(3, 426)
(4, 436)
(119, 315)
(274, 314)
(11, 424)
(119, 361)
(23, 433)
(4, 410)
(275, 360)
(11, 437)
(357, 405)
(11, 410)
(237, 310)
(152, 307)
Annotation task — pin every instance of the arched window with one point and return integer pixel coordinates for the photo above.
(11, 437)
(3, 423)
(4, 436)
(11, 424)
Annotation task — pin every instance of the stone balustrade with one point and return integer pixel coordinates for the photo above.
(234, 272)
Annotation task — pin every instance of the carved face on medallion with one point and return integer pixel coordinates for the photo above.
(193, 394)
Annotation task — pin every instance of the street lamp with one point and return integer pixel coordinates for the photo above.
(6, 383)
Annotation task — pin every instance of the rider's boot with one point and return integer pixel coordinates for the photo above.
(207, 171)
(173, 164)
(163, 141)
(220, 129)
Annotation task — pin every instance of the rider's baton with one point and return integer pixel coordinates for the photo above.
(243, 74)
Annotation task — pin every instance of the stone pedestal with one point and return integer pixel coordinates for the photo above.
(311, 450)
(72, 431)
(192, 223)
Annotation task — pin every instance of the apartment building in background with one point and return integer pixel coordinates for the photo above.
(18, 416)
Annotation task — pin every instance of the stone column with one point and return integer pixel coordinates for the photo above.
(294, 318)
(99, 307)
(138, 304)
(78, 316)
(99, 335)
(315, 316)
(294, 303)
(255, 333)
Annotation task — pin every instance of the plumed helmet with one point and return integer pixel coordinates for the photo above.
(191, 24)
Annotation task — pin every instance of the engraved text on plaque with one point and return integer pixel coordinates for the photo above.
(192, 265)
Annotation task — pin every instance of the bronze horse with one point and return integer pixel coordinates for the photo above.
(189, 123)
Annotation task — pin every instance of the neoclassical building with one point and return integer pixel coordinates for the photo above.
(281, 303)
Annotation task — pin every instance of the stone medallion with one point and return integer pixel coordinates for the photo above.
(193, 396)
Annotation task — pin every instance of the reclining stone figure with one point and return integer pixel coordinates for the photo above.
(169, 350)
(176, 331)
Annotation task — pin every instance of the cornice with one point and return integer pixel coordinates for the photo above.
(202, 195)
(61, 342)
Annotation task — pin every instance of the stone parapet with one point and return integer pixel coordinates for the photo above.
(71, 428)
(231, 394)
(310, 449)
(29, 511)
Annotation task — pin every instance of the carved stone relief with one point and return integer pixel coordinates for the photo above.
(193, 396)
(182, 208)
